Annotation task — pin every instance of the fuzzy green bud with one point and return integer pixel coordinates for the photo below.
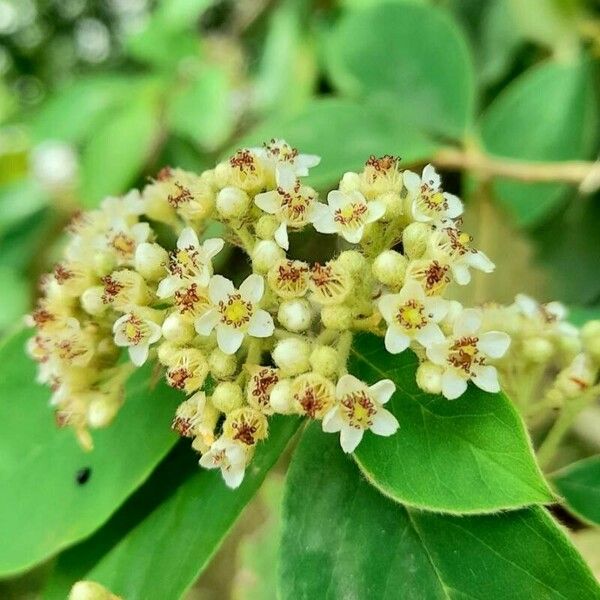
(429, 378)
(352, 261)
(393, 205)
(324, 360)
(390, 267)
(227, 396)
(538, 350)
(414, 239)
(292, 355)
(232, 202)
(265, 254)
(337, 317)
(590, 336)
(151, 261)
(221, 365)
(266, 226)
(177, 329)
(295, 315)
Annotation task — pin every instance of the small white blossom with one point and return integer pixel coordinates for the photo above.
(430, 203)
(347, 214)
(287, 163)
(551, 314)
(235, 313)
(410, 314)
(464, 355)
(360, 407)
(294, 207)
(136, 334)
(190, 262)
(123, 241)
(230, 457)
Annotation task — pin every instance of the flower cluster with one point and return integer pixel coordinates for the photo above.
(278, 340)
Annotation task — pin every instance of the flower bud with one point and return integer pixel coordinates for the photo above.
(167, 353)
(232, 202)
(227, 396)
(266, 226)
(281, 397)
(590, 336)
(178, 329)
(324, 360)
(429, 378)
(538, 350)
(265, 254)
(90, 590)
(336, 317)
(295, 315)
(102, 410)
(393, 205)
(352, 261)
(292, 355)
(390, 267)
(350, 182)
(151, 261)
(104, 263)
(222, 366)
(92, 302)
(414, 239)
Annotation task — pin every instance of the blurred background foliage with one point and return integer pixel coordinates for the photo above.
(97, 95)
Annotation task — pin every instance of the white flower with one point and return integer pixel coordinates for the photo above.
(360, 407)
(430, 203)
(287, 163)
(454, 245)
(347, 214)
(410, 315)
(234, 312)
(190, 262)
(464, 355)
(136, 334)
(552, 314)
(123, 241)
(125, 210)
(294, 207)
(230, 457)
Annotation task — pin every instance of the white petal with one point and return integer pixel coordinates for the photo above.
(307, 161)
(388, 304)
(453, 385)
(528, 306)
(467, 322)
(120, 322)
(206, 461)
(486, 378)
(219, 288)
(323, 221)
(384, 423)
(337, 199)
(187, 238)
(138, 354)
(557, 309)
(140, 232)
(332, 421)
(412, 182)
(430, 334)
(431, 177)
(436, 307)
(437, 353)
(375, 211)
(155, 332)
(121, 339)
(478, 260)
(395, 340)
(261, 324)
(350, 438)
(253, 288)
(412, 290)
(461, 273)
(353, 236)
(233, 476)
(212, 247)
(419, 216)
(168, 286)
(229, 339)
(207, 322)
(382, 391)
(455, 206)
(281, 237)
(494, 343)
(268, 201)
(347, 384)
(285, 175)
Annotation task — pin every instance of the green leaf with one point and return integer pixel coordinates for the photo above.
(181, 14)
(188, 526)
(579, 484)
(119, 149)
(71, 113)
(42, 508)
(14, 299)
(19, 200)
(365, 129)
(470, 455)
(200, 110)
(547, 114)
(413, 51)
(342, 539)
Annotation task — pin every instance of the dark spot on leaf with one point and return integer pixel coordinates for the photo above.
(83, 475)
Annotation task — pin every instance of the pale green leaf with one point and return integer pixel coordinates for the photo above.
(42, 507)
(413, 51)
(579, 485)
(470, 455)
(547, 114)
(14, 296)
(342, 539)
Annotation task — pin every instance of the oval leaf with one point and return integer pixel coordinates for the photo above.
(342, 539)
(190, 524)
(547, 114)
(43, 508)
(579, 484)
(470, 455)
(414, 53)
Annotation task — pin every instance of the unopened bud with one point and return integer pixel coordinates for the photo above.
(390, 267)
(92, 302)
(324, 360)
(538, 350)
(414, 239)
(232, 202)
(281, 397)
(265, 254)
(352, 261)
(151, 261)
(393, 205)
(227, 396)
(429, 378)
(590, 336)
(266, 227)
(292, 356)
(222, 366)
(350, 182)
(90, 590)
(337, 317)
(295, 315)
(178, 329)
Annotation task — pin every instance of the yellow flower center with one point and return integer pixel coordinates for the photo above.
(464, 354)
(358, 408)
(352, 215)
(411, 316)
(235, 311)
